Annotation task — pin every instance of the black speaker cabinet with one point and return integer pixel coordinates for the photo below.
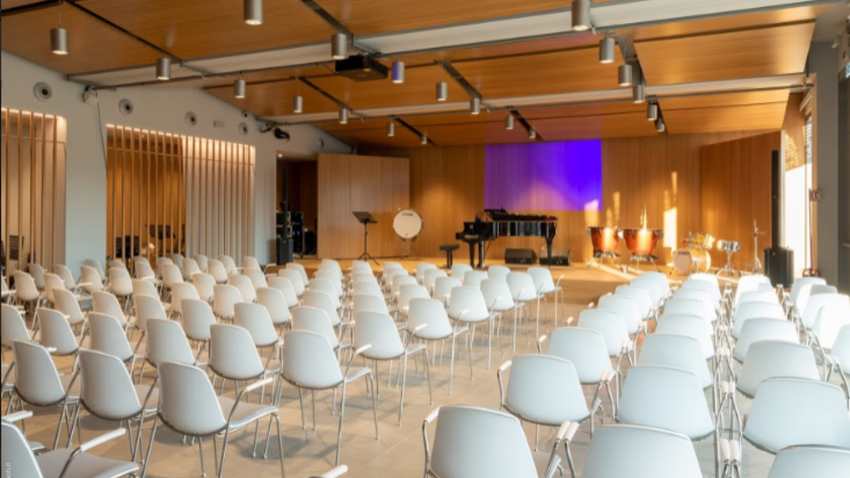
(779, 266)
(520, 256)
(560, 257)
(285, 254)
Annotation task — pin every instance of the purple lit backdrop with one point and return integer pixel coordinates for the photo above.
(564, 176)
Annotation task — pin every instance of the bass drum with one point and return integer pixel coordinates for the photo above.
(408, 224)
(686, 259)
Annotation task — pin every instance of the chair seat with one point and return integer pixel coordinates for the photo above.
(356, 374)
(245, 414)
(35, 446)
(549, 290)
(153, 404)
(83, 466)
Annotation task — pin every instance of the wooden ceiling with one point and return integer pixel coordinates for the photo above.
(621, 125)
(761, 110)
(274, 98)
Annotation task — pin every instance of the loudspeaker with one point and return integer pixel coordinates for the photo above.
(560, 257)
(776, 203)
(779, 266)
(520, 256)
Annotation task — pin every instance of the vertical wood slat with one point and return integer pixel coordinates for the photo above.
(7, 150)
(43, 161)
(20, 187)
(54, 195)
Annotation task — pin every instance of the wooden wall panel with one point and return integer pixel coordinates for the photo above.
(736, 191)
(348, 183)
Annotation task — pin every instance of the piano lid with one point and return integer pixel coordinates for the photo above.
(501, 215)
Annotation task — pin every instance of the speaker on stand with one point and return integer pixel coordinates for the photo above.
(778, 260)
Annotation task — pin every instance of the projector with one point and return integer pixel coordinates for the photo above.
(361, 68)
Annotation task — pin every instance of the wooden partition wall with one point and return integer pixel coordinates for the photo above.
(379, 185)
(170, 194)
(33, 189)
(662, 173)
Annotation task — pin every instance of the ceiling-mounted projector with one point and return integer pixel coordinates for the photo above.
(361, 68)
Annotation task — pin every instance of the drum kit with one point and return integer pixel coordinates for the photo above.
(729, 247)
(408, 225)
(695, 256)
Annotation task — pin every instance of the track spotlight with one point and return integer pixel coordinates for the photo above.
(581, 15)
(398, 72)
(343, 116)
(239, 87)
(638, 93)
(391, 129)
(339, 46)
(253, 12)
(424, 139)
(298, 104)
(163, 68)
(475, 105)
(652, 112)
(532, 134)
(660, 126)
(509, 122)
(442, 91)
(606, 50)
(59, 41)
(625, 75)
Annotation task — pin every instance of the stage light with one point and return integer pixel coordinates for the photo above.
(253, 14)
(163, 68)
(638, 93)
(424, 139)
(391, 130)
(606, 50)
(660, 126)
(625, 75)
(532, 134)
(339, 46)
(509, 122)
(398, 72)
(343, 116)
(442, 91)
(59, 41)
(475, 105)
(581, 15)
(239, 87)
(298, 104)
(651, 112)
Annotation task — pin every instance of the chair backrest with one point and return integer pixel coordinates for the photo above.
(56, 333)
(361, 268)
(611, 324)
(364, 277)
(379, 331)
(37, 273)
(182, 291)
(755, 310)
(661, 279)
(791, 411)
(585, 349)
(759, 330)
(301, 272)
(120, 282)
(171, 275)
(467, 304)
(327, 287)
(143, 287)
(522, 286)
(771, 359)
(116, 264)
(497, 295)
(410, 292)
(431, 276)
(367, 288)
(96, 266)
(295, 279)
(651, 287)
(161, 262)
(444, 286)
(822, 462)
(190, 268)
(391, 266)
(459, 271)
(144, 271)
(823, 289)
(309, 360)
(228, 263)
(107, 389)
(626, 306)
(422, 268)
(12, 326)
(245, 286)
(841, 348)
(688, 326)
(323, 301)
(499, 273)
(66, 275)
(216, 269)
(178, 259)
(68, 305)
(168, 342)
(203, 262)
(275, 303)
(256, 320)
(36, 378)
(750, 283)
(802, 288)
(205, 285)
(16, 452)
(702, 296)
(148, 308)
(666, 398)
(91, 278)
(107, 304)
(815, 304)
(678, 306)
(478, 443)
(225, 299)
(706, 283)
(401, 280)
(257, 277)
(285, 285)
(25, 289)
(197, 319)
(831, 318)
(368, 303)
(676, 351)
(108, 336)
(432, 313)
(52, 281)
(233, 354)
(545, 389)
(542, 278)
(249, 262)
(187, 400)
(767, 296)
(619, 451)
(639, 294)
(314, 320)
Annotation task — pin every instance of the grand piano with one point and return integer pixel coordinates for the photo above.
(498, 223)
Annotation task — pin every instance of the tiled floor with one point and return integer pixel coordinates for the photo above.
(399, 452)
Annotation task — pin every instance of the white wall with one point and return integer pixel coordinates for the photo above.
(156, 108)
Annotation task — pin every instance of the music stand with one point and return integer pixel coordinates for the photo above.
(366, 218)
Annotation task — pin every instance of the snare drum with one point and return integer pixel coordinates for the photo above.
(728, 246)
(408, 224)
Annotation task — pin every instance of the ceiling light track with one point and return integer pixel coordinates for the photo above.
(337, 25)
(327, 95)
(412, 129)
(463, 82)
(532, 133)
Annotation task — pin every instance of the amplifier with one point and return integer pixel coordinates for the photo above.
(560, 257)
(520, 256)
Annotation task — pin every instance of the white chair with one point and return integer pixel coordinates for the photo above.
(121, 285)
(12, 327)
(750, 283)
(67, 304)
(679, 352)
(700, 296)
(108, 393)
(116, 264)
(256, 319)
(145, 272)
(408, 293)
(249, 262)
(67, 277)
(107, 304)
(171, 275)
(285, 286)
(612, 326)
(7, 293)
(431, 276)
(38, 383)
(499, 273)
(389, 275)
(662, 280)
(190, 268)
(431, 314)
(822, 462)
(37, 274)
(367, 288)
(323, 301)
(59, 463)
(205, 285)
(234, 356)
(107, 336)
(188, 406)
(545, 287)
(316, 320)
(839, 359)
(754, 310)
(546, 391)
(767, 296)
(688, 326)
(831, 318)
(443, 288)
(294, 266)
(257, 277)
(295, 279)
(91, 280)
(801, 289)
(679, 306)
(327, 287)
(629, 309)
(478, 443)
(245, 287)
(179, 292)
(225, 299)
(499, 300)
(177, 260)
(791, 411)
(467, 307)
(275, 303)
(203, 262)
(198, 319)
(57, 336)
(167, 342)
(524, 292)
(142, 287)
(26, 292)
(309, 363)
(473, 279)
(147, 308)
(377, 334)
(217, 271)
(707, 287)
(229, 264)
(651, 286)
(641, 296)
(619, 451)
(771, 359)
(95, 265)
(459, 271)
(368, 303)
(759, 330)
(814, 305)
(399, 281)
(51, 282)
(421, 269)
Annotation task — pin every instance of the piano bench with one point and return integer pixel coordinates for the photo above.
(449, 249)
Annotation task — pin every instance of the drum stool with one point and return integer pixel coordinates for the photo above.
(449, 249)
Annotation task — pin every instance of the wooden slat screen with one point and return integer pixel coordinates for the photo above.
(33, 189)
(171, 194)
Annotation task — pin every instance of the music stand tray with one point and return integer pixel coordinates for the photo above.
(366, 218)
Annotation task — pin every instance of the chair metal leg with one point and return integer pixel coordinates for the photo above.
(201, 450)
(279, 444)
(428, 373)
(315, 423)
(341, 417)
(150, 448)
(374, 411)
(452, 365)
(403, 387)
(256, 438)
(303, 417)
